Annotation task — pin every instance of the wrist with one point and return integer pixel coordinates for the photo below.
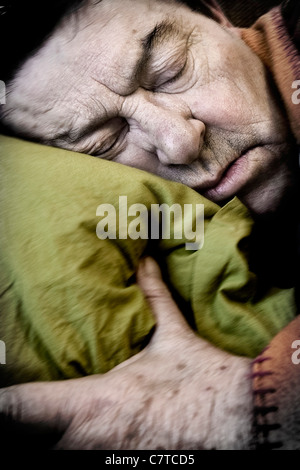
(233, 411)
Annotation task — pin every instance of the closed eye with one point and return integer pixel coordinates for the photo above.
(174, 78)
(165, 71)
(104, 140)
(107, 147)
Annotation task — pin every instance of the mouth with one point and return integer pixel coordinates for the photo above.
(232, 179)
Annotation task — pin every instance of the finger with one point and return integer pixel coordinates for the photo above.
(168, 316)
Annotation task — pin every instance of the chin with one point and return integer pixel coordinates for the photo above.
(261, 204)
(273, 200)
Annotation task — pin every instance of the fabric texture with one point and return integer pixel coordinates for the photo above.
(70, 305)
(274, 39)
(69, 302)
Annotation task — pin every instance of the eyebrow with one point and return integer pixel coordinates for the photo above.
(161, 32)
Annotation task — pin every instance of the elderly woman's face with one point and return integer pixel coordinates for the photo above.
(156, 86)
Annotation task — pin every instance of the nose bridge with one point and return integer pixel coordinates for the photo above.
(170, 103)
(169, 124)
(145, 105)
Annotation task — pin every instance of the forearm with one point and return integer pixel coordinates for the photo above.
(180, 392)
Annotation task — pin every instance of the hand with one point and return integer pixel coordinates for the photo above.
(180, 392)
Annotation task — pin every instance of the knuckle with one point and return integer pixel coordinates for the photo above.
(158, 293)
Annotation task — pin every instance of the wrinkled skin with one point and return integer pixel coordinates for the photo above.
(180, 392)
(198, 108)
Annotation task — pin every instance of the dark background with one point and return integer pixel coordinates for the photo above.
(25, 23)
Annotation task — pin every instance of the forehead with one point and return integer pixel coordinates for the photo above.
(92, 58)
(111, 35)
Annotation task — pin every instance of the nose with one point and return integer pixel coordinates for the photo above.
(169, 127)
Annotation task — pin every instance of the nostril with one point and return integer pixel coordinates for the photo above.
(181, 151)
(192, 143)
(199, 127)
(177, 139)
(182, 144)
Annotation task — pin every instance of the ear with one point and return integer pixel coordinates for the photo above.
(220, 17)
(217, 13)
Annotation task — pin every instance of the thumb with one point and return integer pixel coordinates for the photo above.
(168, 316)
(35, 415)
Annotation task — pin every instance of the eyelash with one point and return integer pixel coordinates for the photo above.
(175, 78)
(120, 135)
(125, 128)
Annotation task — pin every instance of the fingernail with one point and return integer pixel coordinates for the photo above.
(151, 268)
(142, 264)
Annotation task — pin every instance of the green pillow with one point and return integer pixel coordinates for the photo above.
(70, 305)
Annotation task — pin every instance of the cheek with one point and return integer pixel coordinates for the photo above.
(137, 157)
(229, 87)
(138, 142)
(221, 105)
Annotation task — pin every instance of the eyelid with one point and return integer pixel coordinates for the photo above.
(159, 80)
(176, 77)
(111, 141)
(168, 72)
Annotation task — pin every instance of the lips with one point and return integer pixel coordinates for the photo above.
(232, 180)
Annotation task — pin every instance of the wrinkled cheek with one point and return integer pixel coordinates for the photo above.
(270, 185)
(137, 157)
(219, 106)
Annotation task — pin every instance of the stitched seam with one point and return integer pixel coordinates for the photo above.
(264, 413)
